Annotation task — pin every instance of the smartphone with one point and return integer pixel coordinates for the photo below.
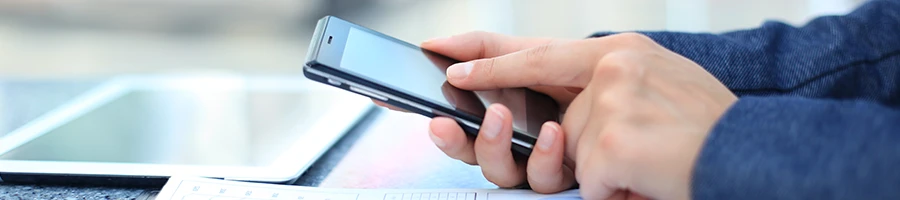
(369, 63)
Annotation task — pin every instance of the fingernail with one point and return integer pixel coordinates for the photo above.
(459, 70)
(492, 124)
(437, 140)
(547, 136)
(435, 39)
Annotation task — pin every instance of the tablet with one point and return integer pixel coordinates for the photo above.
(265, 129)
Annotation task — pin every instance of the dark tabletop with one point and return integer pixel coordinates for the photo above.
(385, 150)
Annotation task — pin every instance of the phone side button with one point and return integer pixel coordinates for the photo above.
(368, 93)
(334, 82)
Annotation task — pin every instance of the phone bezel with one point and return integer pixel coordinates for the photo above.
(322, 55)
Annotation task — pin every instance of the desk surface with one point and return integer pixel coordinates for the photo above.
(386, 150)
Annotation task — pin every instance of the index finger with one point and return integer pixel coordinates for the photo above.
(558, 64)
(480, 44)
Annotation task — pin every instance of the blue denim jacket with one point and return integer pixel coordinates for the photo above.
(819, 109)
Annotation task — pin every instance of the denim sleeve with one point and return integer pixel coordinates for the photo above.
(799, 148)
(855, 56)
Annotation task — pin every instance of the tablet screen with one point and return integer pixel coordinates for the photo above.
(221, 127)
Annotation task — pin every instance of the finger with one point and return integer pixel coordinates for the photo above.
(546, 170)
(611, 83)
(600, 151)
(608, 96)
(591, 181)
(479, 44)
(492, 148)
(565, 64)
(450, 138)
(388, 106)
(558, 64)
(575, 119)
(594, 172)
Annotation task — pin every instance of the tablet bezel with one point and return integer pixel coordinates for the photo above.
(330, 127)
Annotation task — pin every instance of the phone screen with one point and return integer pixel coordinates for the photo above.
(416, 71)
(421, 73)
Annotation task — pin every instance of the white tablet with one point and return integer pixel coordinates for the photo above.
(266, 129)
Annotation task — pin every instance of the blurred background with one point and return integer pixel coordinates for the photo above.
(100, 38)
(51, 51)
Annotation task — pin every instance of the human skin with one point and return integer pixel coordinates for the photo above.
(636, 114)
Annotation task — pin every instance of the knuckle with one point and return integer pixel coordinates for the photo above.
(617, 64)
(609, 102)
(619, 58)
(610, 66)
(609, 140)
(486, 42)
(608, 69)
(613, 143)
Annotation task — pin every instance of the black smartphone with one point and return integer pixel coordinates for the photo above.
(369, 63)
